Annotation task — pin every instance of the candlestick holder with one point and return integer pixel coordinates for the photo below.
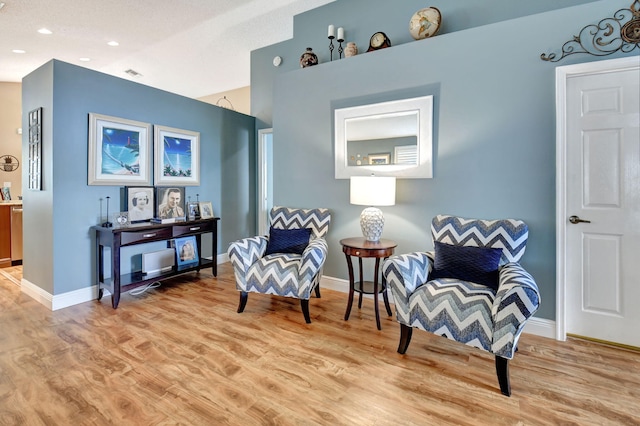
(340, 50)
(107, 224)
(331, 46)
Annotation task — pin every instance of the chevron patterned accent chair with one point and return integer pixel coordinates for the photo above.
(487, 318)
(283, 274)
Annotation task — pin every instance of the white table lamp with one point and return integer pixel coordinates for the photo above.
(372, 191)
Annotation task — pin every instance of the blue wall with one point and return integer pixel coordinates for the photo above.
(58, 243)
(494, 115)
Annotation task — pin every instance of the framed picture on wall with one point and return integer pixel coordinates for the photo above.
(381, 158)
(119, 151)
(140, 203)
(170, 202)
(177, 156)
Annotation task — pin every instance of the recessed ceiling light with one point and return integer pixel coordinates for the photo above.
(19, 51)
(1, 5)
(84, 59)
(44, 31)
(113, 43)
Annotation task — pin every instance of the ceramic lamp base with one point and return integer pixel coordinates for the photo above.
(372, 223)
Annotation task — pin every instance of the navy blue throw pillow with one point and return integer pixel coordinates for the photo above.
(475, 264)
(288, 240)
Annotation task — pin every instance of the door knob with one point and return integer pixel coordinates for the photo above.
(576, 219)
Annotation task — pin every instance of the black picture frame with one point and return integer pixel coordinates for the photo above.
(140, 203)
(167, 207)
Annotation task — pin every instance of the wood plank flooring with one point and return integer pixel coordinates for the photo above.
(180, 354)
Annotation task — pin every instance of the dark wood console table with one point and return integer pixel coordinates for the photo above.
(361, 248)
(115, 238)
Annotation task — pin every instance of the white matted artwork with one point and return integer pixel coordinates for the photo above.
(119, 151)
(177, 156)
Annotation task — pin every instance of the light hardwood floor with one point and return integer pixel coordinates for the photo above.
(180, 354)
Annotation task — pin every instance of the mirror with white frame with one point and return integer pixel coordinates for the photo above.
(386, 139)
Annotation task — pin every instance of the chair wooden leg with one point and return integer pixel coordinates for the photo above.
(304, 304)
(502, 369)
(405, 338)
(243, 301)
(318, 291)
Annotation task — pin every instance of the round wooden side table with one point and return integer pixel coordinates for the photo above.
(361, 248)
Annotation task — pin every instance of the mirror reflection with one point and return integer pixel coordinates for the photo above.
(382, 139)
(391, 138)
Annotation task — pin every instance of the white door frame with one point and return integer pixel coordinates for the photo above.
(263, 180)
(562, 75)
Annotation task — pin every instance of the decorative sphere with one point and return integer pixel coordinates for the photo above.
(425, 23)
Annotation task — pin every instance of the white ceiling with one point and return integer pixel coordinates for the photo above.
(190, 47)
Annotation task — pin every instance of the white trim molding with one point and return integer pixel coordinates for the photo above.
(75, 297)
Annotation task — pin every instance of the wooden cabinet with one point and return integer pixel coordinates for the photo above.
(5, 236)
(10, 233)
(115, 238)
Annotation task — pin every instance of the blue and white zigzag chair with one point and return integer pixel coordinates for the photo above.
(461, 310)
(283, 274)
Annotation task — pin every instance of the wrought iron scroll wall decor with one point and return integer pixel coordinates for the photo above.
(619, 33)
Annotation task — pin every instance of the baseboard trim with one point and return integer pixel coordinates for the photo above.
(536, 326)
(75, 297)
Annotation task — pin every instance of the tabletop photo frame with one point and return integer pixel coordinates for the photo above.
(140, 203)
(170, 202)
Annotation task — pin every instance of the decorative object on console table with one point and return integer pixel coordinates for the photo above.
(140, 201)
(372, 191)
(119, 151)
(308, 58)
(186, 251)
(121, 219)
(106, 223)
(206, 209)
(177, 156)
(6, 193)
(378, 40)
(193, 209)
(425, 23)
(170, 202)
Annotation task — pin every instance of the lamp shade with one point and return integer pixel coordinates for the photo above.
(373, 190)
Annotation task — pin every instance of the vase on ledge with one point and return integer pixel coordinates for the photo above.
(308, 58)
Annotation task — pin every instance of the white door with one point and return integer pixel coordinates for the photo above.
(265, 179)
(601, 207)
